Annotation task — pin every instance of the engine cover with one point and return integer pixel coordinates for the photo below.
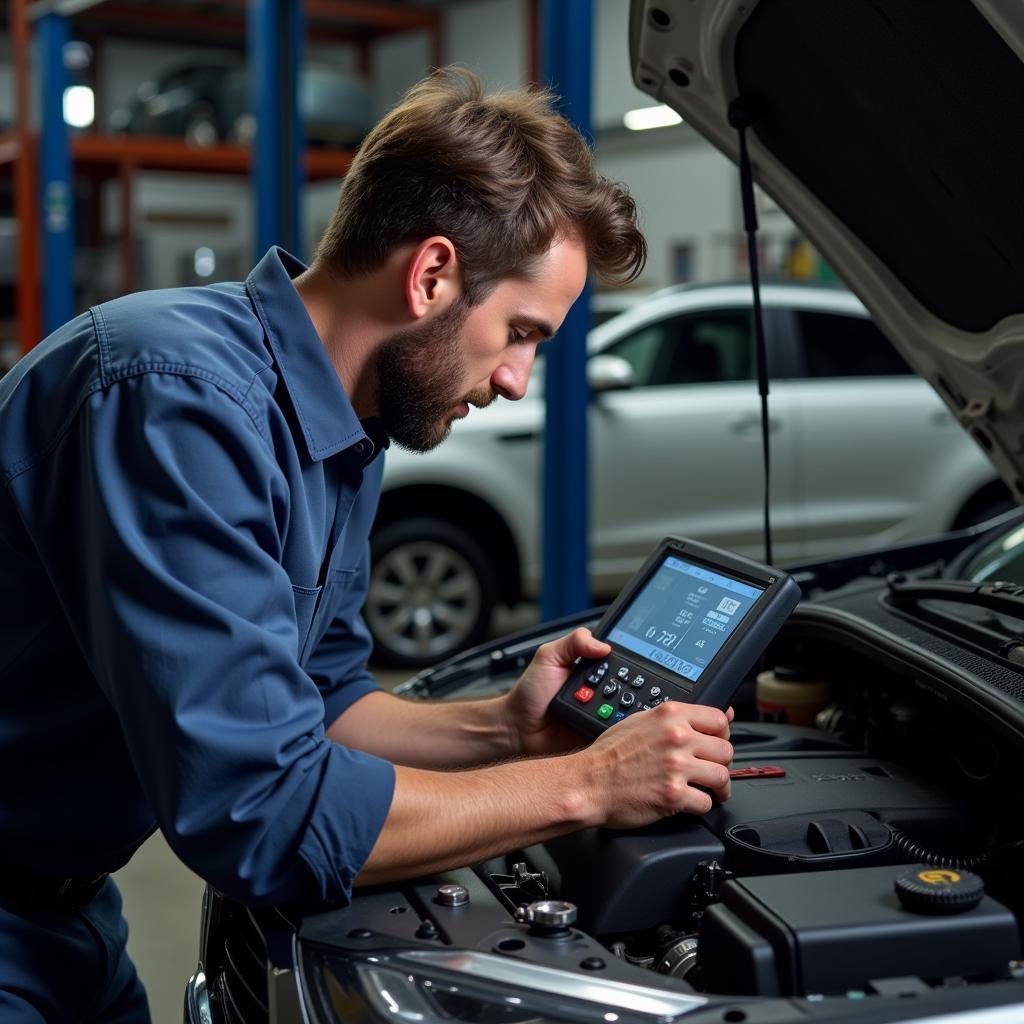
(831, 932)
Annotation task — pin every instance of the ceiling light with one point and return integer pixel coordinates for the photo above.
(79, 106)
(643, 118)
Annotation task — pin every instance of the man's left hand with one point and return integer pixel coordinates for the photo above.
(534, 730)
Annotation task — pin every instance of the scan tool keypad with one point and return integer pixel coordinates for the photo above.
(612, 688)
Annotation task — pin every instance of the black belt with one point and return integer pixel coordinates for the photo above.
(27, 889)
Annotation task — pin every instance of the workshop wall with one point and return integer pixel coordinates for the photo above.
(501, 57)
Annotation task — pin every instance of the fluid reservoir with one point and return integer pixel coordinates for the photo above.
(790, 694)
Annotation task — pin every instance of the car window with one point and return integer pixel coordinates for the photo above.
(847, 346)
(696, 348)
(1001, 559)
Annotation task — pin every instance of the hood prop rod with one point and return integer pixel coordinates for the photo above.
(741, 116)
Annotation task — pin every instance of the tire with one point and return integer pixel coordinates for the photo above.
(431, 593)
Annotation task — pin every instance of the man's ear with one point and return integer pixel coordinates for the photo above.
(433, 279)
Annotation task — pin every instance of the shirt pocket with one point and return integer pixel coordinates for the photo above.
(332, 595)
(306, 601)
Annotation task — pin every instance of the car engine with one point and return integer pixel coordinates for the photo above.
(878, 854)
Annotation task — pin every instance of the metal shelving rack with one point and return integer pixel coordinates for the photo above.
(99, 157)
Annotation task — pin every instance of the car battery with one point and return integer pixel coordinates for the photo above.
(832, 932)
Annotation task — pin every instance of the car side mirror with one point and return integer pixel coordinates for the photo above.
(609, 373)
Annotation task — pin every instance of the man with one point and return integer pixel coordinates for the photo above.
(190, 477)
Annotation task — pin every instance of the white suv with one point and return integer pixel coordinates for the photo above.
(863, 454)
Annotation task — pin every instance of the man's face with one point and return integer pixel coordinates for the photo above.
(430, 374)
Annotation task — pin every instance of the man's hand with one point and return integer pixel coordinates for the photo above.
(533, 730)
(645, 767)
(649, 764)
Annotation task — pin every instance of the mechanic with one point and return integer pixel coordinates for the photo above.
(190, 478)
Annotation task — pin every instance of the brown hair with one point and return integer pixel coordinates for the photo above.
(502, 176)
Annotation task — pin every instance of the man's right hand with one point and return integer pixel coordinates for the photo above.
(648, 765)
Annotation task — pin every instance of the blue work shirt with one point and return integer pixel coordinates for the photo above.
(187, 497)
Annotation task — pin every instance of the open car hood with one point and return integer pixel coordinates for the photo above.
(889, 131)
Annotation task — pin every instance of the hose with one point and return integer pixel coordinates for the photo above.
(910, 852)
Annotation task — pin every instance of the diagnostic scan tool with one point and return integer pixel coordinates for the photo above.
(687, 627)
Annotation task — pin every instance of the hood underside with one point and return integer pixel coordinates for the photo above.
(890, 131)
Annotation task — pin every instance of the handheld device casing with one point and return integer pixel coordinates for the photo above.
(717, 607)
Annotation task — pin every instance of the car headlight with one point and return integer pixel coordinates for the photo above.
(449, 986)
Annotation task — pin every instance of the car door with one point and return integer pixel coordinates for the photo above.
(874, 442)
(680, 452)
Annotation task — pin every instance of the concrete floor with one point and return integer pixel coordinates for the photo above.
(162, 900)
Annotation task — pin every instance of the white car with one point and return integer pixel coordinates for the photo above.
(863, 454)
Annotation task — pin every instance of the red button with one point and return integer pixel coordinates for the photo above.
(765, 771)
(583, 694)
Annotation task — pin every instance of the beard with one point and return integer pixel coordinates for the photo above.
(420, 375)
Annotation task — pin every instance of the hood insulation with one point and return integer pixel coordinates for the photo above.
(906, 119)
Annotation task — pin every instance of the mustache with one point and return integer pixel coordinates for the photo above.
(480, 399)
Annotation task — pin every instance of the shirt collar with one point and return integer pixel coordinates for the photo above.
(328, 421)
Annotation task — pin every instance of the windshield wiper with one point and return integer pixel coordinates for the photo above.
(991, 633)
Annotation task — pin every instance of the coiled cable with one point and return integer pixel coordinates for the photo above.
(912, 852)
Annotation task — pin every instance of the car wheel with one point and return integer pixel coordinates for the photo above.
(431, 592)
(201, 127)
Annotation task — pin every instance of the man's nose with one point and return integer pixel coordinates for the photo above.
(511, 378)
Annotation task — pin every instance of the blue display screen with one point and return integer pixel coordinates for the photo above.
(683, 616)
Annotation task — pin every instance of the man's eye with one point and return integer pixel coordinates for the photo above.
(517, 337)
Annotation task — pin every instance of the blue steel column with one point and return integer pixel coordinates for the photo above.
(275, 29)
(566, 48)
(57, 197)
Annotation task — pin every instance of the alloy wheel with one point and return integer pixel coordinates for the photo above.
(424, 600)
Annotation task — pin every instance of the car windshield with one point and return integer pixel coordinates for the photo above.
(1000, 559)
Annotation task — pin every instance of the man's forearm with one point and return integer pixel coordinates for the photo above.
(420, 734)
(442, 820)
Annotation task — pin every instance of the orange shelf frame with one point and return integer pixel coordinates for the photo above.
(107, 155)
(122, 156)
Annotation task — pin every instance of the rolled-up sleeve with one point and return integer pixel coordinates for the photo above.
(175, 507)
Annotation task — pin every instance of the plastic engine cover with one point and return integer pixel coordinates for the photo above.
(830, 932)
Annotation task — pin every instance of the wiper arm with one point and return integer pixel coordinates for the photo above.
(1000, 597)
(1005, 598)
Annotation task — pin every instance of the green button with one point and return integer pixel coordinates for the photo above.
(605, 711)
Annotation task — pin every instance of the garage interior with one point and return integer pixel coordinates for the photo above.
(118, 174)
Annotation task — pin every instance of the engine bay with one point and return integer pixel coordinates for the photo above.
(874, 856)
(790, 888)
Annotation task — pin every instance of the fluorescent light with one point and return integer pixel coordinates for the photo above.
(79, 106)
(643, 118)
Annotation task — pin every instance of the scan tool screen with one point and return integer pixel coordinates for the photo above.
(683, 616)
